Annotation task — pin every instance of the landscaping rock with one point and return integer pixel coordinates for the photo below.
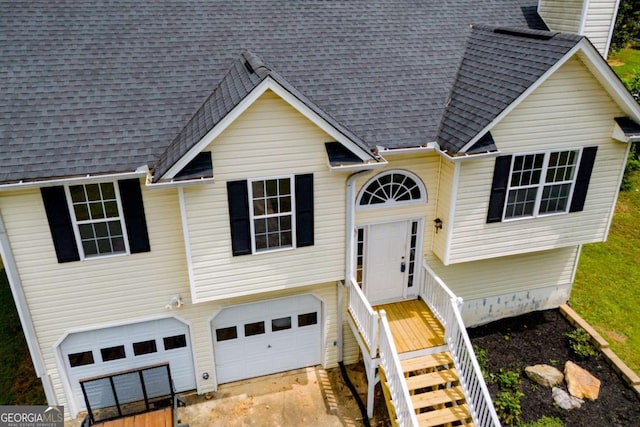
(565, 400)
(580, 382)
(544, 375)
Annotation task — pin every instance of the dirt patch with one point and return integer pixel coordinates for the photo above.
(539, 338)
(615, 62)
(613, 335)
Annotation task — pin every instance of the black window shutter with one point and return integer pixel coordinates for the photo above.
(238, 200)
(57, 209)
(499, 188)
(134, 218)
(304, 210)
(583, 178)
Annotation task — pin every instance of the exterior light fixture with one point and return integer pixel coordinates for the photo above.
(438, 224)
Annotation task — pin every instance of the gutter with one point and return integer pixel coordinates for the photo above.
(465, 156)
(22, 185)
(427, 148)
(348, 272)
(25, 315)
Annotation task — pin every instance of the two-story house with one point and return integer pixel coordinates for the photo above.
(233, 187)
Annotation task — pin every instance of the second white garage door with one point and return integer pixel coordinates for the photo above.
(263, 338)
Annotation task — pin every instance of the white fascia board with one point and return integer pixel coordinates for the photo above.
(619, 135)
(87, 179)
(359, 167)
(187, 241)
(610, 81)
(601, 71)
(583, 17)
(266, 84)
(611, 27)
(465, 156)
(522, 96)
(177, 184)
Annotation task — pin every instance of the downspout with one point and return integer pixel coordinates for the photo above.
(348, 271)
(23, 312)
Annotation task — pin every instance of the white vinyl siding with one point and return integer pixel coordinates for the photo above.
(548, 119)
(512, 274)
(598, 23)
(565, 15)
(446, 192)
(270, 139)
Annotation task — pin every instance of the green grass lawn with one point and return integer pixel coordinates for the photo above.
(626, 62)
(606, 291)
(18, 382)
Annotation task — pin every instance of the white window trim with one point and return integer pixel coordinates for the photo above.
(387, 204)
(76, 223)
(292, 186)
(542, 184)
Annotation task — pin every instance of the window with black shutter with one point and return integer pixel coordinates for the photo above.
(271, 213)
(540, 184)
(96, 219)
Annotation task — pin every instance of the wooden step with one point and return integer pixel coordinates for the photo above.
(444, 416)
(432, 379)
(426, 362)
(437, 397)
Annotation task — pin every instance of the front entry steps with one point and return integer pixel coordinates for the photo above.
(435, 391)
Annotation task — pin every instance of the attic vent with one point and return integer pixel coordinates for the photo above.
(530, 34)
(254, 64)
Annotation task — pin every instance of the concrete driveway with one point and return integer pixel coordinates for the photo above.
(304, 397)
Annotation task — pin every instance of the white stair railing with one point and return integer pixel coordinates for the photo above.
(364, 316)
(390, 362)
(446, 307)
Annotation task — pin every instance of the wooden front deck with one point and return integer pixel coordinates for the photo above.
(159, 418)
(413, 326)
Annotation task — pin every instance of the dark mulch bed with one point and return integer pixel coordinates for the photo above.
(539, 338)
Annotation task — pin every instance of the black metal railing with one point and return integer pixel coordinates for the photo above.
(126, 393)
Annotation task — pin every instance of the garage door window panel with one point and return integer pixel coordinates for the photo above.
(144, 347)
(176, 341)
(112, 353)
(81, 359)
(307, 319)
(281, 324)
(226, 334)
(251, 329)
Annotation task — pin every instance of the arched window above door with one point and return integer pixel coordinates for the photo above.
(392, 188)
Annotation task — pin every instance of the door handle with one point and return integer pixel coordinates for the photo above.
(403, 267)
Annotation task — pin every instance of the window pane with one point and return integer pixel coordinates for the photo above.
(101, 229)
(108, 191)
(81, 359)
(273, 240)
(273, 224)
(111, 209)
(93, 192)
(257, 189)
(96, 210)
(307, 319)
(77, 193)
(104, 246)
(285, 222)
(224, 334)
(261, 242)
(260, 226)
(118, 244)
(144, 347)
(286, 239)
(90, 248)
(258, 207)
(81, 211)
(271, 187)
(285, 204)
(115, 229)
(176, 341)
(281, 324)
(251, 329)
(285, 186)
(272, 205)
(112, 353)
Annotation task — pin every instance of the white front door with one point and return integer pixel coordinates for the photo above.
(387, 261)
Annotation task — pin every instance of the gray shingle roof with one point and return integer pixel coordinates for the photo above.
(99, 87)
(498, 65)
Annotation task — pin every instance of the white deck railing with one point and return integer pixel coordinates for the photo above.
(365, 318)
(446, 307)
(390, 362)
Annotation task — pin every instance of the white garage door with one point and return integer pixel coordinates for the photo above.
(257, 339)
(104, 351)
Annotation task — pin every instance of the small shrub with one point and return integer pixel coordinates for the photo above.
(508, 380)
(544, 422)
(580, 343)
(508, 407)
(482, 355)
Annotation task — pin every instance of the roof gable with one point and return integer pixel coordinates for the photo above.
(498, 66)
(247, 79)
